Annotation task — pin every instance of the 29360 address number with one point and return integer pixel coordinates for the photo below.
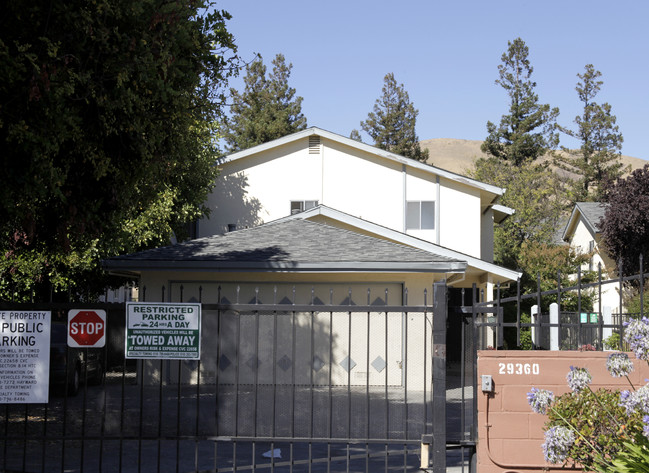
(518, 368)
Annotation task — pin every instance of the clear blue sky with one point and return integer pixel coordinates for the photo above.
(446, 54)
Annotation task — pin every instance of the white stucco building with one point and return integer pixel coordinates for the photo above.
(317, 218)
(359, 185)
(313, 167)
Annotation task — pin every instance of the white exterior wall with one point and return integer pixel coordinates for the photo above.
(460, 218)
(487, 236)
(582, 237)
(422, 187)
(259, 188)
(581, 240)
(152, 282)
(407, 361)
(363, 185)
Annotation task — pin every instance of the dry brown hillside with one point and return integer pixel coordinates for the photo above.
(458, 155)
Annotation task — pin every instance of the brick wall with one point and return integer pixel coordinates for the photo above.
(513, 441)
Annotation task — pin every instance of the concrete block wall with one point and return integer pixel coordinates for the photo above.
(512, 442)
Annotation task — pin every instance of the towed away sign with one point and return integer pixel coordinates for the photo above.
(163, 330)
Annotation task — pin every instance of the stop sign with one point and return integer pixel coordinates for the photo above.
(87, 328)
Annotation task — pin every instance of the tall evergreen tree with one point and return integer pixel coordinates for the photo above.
(599, 158)
(266, 110)
(392, 123)
(529, 130)
(355, 135)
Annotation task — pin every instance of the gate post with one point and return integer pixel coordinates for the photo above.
(555, 334)
(440, 314)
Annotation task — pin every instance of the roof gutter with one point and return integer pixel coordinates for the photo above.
(128, 267)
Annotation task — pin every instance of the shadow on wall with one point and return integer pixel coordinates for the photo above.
(230, 203)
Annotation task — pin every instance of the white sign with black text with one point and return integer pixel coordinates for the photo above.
(24, 356)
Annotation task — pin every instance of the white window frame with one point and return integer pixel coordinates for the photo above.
(298, 206)
(429, 220)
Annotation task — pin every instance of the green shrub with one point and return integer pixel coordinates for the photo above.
(599, 421)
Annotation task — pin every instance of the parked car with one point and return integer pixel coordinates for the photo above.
(70, 370)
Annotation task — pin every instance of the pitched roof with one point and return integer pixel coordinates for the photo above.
(382, 232)
(495, 191)
(592, 214)
(293, 245)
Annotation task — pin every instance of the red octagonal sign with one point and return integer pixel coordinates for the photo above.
(87, 328)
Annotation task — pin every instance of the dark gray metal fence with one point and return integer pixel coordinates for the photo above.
(279, 387)
(580, 320)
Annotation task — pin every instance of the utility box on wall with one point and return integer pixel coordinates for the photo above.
(510, 434)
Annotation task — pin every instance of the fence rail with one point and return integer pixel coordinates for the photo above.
(568, 318)
(278, 387)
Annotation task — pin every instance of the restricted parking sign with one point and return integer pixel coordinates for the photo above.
(163, 330)
(86, 328)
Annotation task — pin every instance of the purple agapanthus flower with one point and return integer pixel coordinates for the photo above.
(558, 441)
(618, 364)
(636, 401)
(645, 426)
(578, 378)
(628, 401)
(636, 334)
(540, 400)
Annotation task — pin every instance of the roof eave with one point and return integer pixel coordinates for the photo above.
(497, 191)
(122, 266)
(405, 239)
(576, 215)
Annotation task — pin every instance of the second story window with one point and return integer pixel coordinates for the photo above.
(420, 215)
(298, 206)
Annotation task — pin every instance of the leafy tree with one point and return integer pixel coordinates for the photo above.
(528, 131)
(392, 123)
(544, 265)
(266, 110)
(535, 193)
(625, 226)
(525, 241)
(638, 304)
(355, 135)
(106, 136)
(598, 158)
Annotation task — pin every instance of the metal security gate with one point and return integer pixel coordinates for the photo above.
(279, 387)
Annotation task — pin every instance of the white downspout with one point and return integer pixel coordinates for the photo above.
(405, 196)
(438, 206)
(322, 173)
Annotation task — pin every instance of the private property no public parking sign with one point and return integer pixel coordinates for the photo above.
(86, 328)
(163, 330)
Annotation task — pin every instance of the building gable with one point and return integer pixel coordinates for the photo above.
(314, 167)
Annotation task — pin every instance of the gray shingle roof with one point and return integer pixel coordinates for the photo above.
(593, 212)
(298, 245)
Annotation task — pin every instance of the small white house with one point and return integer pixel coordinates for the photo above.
(582, 232)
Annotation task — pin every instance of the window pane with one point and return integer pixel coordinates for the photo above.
(297, 206)
(412, 215)
(428, 215)
(309, 204)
